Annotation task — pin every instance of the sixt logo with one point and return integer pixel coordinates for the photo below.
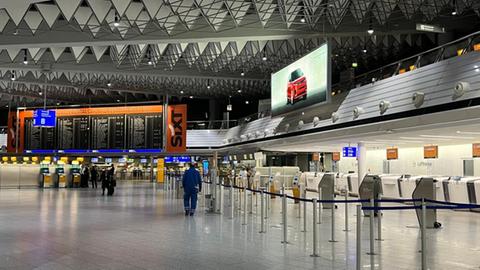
(176, 139)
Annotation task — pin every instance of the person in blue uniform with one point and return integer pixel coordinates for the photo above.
(192, 184)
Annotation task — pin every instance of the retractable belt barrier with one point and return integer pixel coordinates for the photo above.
(445, 205)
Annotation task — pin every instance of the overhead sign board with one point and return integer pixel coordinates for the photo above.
(336, 156)
(430, 151)
(476, 150)
(430, 28)
(303, 83)
(177, 129)
(392, 153)
(44, 118)
(349, 151)
(178, 159)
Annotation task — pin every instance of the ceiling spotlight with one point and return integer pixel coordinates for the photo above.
(242, 73)
(454, 12)
(115, 23)
(40, 93)
(118, 100)
(109, 84)
(370, 31)
(354, 64)
(364, 50)
(150, 62)
(264, 58)
(191, 97)
(239, 91)
(16, 32)
(58, 103)
(208, 86)
(6, 106)
(25, 60)
(302, 20)
(181, 91)
(13, 77)
(247, 102)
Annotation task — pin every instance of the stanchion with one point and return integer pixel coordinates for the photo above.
(304, 216)
(244, 206)
(221, 198)
(424, 235)
(332, 240)
(359, 237)
(250, 207)
(320, 206)
(314, 229)
(346, 210)
(262, 211)
(232, 202)
(372, 236)
(284, 214)
(379, 221)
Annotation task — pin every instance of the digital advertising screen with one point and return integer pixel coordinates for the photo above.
(303, 83)
(44, 118)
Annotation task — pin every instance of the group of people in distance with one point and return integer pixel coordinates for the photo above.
(107, 178)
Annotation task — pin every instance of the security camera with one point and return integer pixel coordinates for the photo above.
(417, 99)
(316, 120)
(300, 124)
(383, 106)
(357, 112)
(335, 117)
(460, 89)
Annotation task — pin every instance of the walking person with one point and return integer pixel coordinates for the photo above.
(103, 179)
(94, 176)
(192, 184)
(112, 183)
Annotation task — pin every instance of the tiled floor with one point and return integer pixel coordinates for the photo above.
(142, 227)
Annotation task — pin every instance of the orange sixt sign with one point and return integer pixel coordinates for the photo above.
(177, 129)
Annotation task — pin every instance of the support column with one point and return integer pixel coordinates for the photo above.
(362, 162)
(165, 122)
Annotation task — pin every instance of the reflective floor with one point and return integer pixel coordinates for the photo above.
(142, 227)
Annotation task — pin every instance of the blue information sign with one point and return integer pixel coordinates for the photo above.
(44, 118)
(349, 152)
(177, 159)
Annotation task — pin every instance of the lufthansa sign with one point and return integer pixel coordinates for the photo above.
(177, 129)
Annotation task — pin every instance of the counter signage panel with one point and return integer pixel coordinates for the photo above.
(476, 150)
(430, 151)
(303, 83)
(349, 151)
(336, 156)
(392, 153)
(44, 118)
(178, 159)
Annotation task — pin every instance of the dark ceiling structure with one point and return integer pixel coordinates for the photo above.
(107, 51)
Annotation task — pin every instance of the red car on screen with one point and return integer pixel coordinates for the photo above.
(297, 86)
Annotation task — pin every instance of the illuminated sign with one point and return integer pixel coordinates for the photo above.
(349, 152)
(44, 118)
(178, 159)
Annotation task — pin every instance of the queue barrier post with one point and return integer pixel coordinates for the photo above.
(320, 206)
(372, 213)
(244, 206)
(379, 221)
(314, 229)
(262, 212)
(346, 210)
(424, 235)
(332, 240)
(284, 217)
(232, 202)
(359, 237)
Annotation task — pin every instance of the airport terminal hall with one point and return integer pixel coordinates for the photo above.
(240, 134)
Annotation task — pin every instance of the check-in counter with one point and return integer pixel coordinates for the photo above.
(352, 180)
(391, 185)
(458, 190)
(19, 175)
(312, 181)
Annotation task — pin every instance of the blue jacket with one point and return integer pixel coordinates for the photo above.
(191, 181)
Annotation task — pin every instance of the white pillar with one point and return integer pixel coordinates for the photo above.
(362, 161)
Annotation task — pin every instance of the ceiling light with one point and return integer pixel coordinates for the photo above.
(13, 77)
(454, 12)
(58, 103)
(477, 70)
(468, 132)
(150, 62)
(303, 113)
(181, 91)
(364, 50)
(109, 84)
(239, 91)
(115, 23)
(302, 20)
(242, 73)
(118, 100)
(25, 60)
(40, 93)
(264, 58)
(6, 106)
(370, 31)
(16, 32)
(247, 102)
(208, 86)
(447, 137)
(191, 97)
(354, 64)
